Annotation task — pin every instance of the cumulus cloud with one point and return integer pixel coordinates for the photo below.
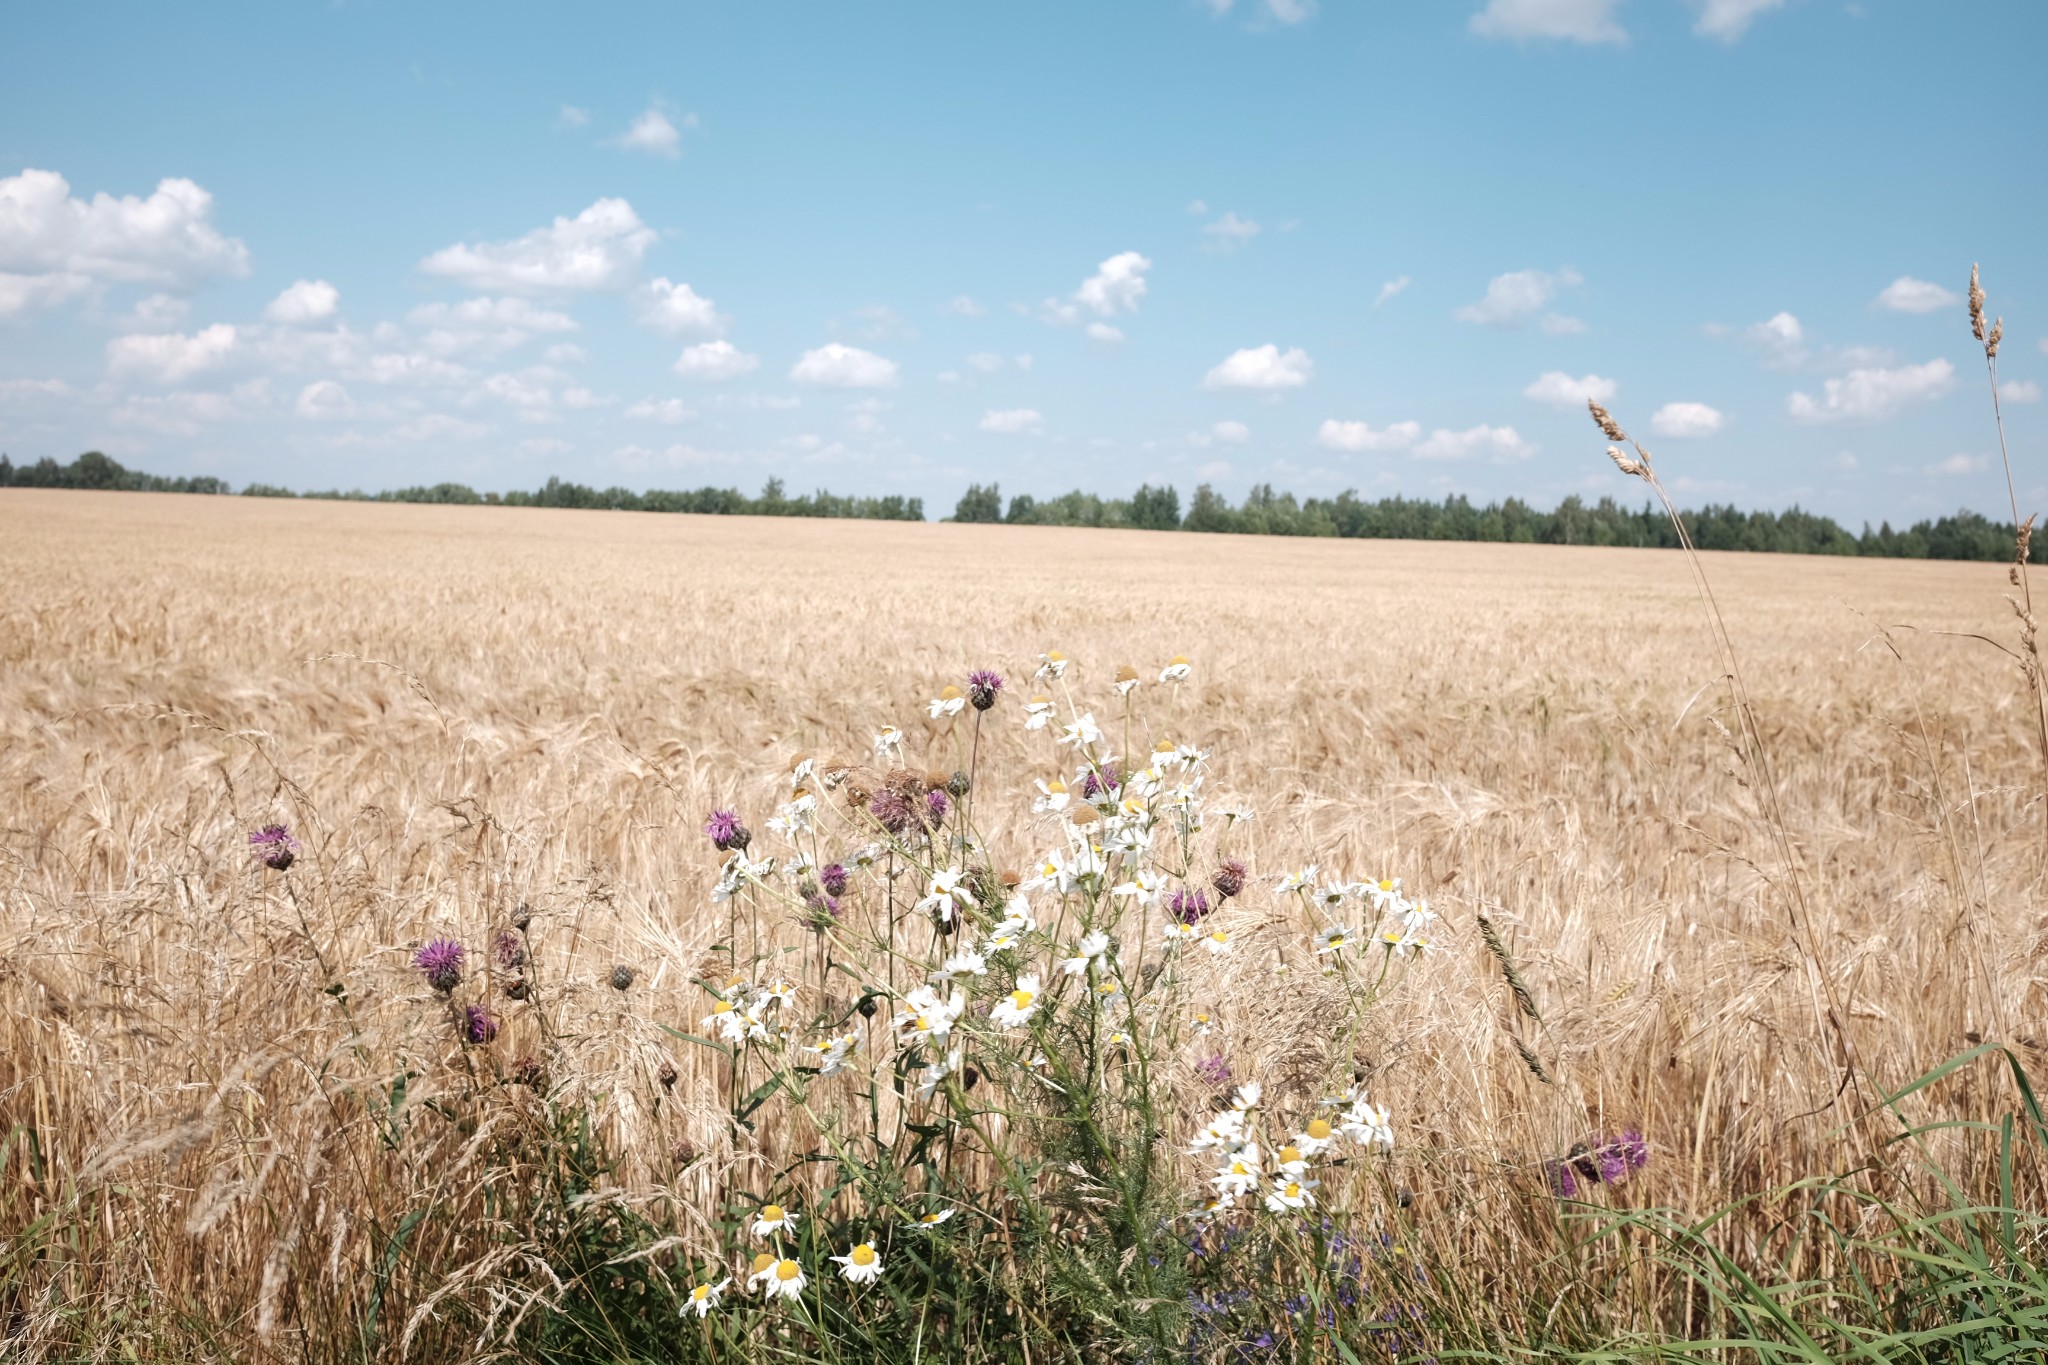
(1279, 11)
(54, 247)
(714, 362)
(1011, 421)
(2020, 391)
(176, 414)
(676, 308)
(1579, 21)
(323, 400)
(304, 301)
(844, 367)
(1781, 338)
(1117, 286)
(1262, 367)
(1357, 436)
(1682, 421)
(1908, 295)
(1102, 331)
(1229, 232)
(1560, 390)
(965, 306)
(484, 326)
(1502, 443)
(170, 357)
(988, 362)
(1512, 299)
(572, 117)
(1957, 465)
(667, 411)
(1728, 20)
(1230, 433)
(1391, 289)
(1871, 395)
(600, 248)
(653, 132)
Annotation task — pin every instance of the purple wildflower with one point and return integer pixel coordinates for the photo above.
(891, 808)
(1613, 1165)
(982, 686)
(274, 846)
(1188, 906)
(1563, 1183)
(1101, 783)
(824, 908)
(834, 879)
(509, 949)
(1214, 1070)
(441, 963)
(1634, 1149)
(936, 805)
(726, 831)
(479, 1025)
(1229, 879)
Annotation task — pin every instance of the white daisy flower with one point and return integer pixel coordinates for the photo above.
(1051, 664)
(784, 1278)
(1217, 941)
(1178, 934)
(1204, 1024)
(705, 1297)
(862, 1265)
(889, 743)
(1296, 881)
(935, 1073)
(1089, 951)
(947, 704)
(1038, 713)
(774, 1219)
(1224, 1132)
(1083, 732)
(965, 963)
(1385, 892)
(1292, 1161)
(1290, 1194)
(926, 1016)
(1334, 939)
(947, 895)
(728, 1021)
(1016, 1009)
(1317, 1138)
(1247, 1096)
(1368, 1124)
(1052, 797)
(929, 1220)
(1239, 1174)
(1145, 884)
(833, 1052)
(1177, 670)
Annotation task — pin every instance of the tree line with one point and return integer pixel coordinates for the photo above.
(1961, 535)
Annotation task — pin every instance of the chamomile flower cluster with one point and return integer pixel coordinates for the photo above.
(1357, 917)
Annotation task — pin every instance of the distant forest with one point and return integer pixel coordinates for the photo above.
(1963, 535)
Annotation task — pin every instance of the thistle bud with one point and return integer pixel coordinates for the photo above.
(667, 1075)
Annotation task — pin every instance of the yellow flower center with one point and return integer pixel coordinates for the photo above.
(787, 1270)
(1289, 1155)
(1022, 999)
(863, 1255)
(1164, 746)
(1055, 656)
(1055, 785)
(1386, 885)
(1177, 661)
(772, 1213)
(723, 1007)
(1319, 1129)
(1293, 1190)
(701, 1292)
(951, 693)
(929, 1218)
(762, 1262)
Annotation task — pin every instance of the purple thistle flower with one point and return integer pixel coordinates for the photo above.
(1634, 1149)
(274, 846)
(834, 879)
(1613, 1165)
(1229, 879)
(936, 805)
(479, 1025)
(823, 908)
(1188, 906)
(509, 949)
(441, 963)
(1563, 1183)
(982, 686)
(891, 808)
(1214, 1070)
(1102, 783)
(726, 831)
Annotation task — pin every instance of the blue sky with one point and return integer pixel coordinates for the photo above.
(893, 247)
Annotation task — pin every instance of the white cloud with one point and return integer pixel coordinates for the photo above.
(1356, 436)
(676, 308)
(54, 247)
(1023, 361)
(1514, 298)
(1781, 339)
(1581, 21)
(1117, 286)
(1560, 390)
(1908, 295)
(1200, 207)
(2020, 391)
(880, 322)
(1728, 20)
(1845, 461)
(1682, 421)
(1391, 289)
(156, 313)
(653, 133)
(988, 362)
(323, 400)
(24, 392)
(965, 306)
(580, 399)
(572, 117)
(484, 326)
(564, 353)
(1959, 464)
(1280, 11)
(1229, 232)
(176, 414)
(667, 411)
(304, 301)
(1102, 331)
(1874, 394)
(544, 445)
(1500, 442)
(440, 426)
(529, 399)
(715, 362)
(845, 367)
(1230, 433)
(171, 357)
(1011, 421)
(1262, 367)
(600, 248)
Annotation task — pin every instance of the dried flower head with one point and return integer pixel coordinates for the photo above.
(1229, 879)
(479, 1025)
(274, 847)
(528, 1071)
(522, 917)
(441, 963)
(667, 1075)
(982, 686)
(622, 977)
(1608, 426)
(891, 808)
(959, 784)
(1976, 304)
(1623, 462)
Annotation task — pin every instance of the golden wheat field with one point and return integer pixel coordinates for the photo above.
(460, 710)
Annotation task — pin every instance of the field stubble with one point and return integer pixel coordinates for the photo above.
(460, 710)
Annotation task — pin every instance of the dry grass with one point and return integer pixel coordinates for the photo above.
(463, 709)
